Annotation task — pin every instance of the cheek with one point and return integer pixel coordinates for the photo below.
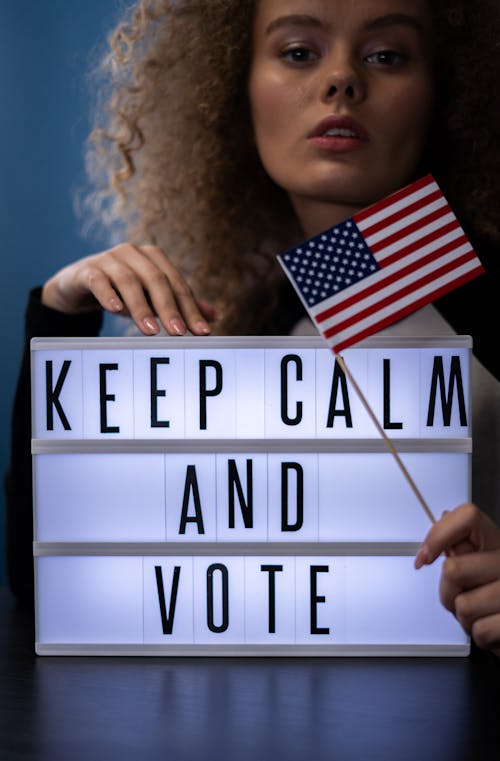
(414, 108)
(265, 100)
(274, 103)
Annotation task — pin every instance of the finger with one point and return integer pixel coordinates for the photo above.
(462, 548)
(183, 306)
(464, 524)
(99, 285)
(473, 569)
(477, 603)
(486, 633)
(128, 283)
(175, 305)
(467, 572)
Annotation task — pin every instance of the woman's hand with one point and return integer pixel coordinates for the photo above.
(470, 578)
(140, 282)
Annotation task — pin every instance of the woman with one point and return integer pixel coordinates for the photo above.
(236, 129)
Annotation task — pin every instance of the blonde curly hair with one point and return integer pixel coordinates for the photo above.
(176, 165)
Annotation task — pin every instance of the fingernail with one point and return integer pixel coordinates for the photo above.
(202, 327)
(150, 325)
(422, 557)
(114, 305)
(177, 326)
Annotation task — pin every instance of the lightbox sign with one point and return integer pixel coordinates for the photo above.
(225, 496)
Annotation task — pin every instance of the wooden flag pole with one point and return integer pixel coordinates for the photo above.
(387, 440)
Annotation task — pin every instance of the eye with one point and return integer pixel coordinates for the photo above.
(299, 54)
(386, 58)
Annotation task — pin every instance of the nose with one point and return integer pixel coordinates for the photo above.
(348, 90)
(343, 84)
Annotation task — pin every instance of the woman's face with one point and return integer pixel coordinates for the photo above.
(341, 98)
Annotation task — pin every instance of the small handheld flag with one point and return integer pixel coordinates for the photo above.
(385, 262)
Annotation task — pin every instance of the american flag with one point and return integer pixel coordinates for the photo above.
(383, 263)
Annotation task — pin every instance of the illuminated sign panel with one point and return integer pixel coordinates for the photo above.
(232, 496)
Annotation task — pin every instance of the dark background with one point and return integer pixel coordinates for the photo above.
(47, 50)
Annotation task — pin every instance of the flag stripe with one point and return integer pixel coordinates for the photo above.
(428, 241)
(399, 292)
(397, 200)
(392, 290)
(341, 342)
(397, 233)
(393, 273)
(406, 215)
(401, 307)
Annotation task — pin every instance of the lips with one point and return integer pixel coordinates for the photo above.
(339, 127)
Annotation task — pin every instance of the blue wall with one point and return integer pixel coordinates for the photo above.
(46, 50)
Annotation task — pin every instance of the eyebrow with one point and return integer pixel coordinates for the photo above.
(395, 19)
(293, 20)
(381, 22)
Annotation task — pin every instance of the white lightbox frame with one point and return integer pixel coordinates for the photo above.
(275, 441)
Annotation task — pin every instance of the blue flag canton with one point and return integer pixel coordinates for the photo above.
(330, 262)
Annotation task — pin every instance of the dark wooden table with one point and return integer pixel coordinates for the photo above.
(185, 709)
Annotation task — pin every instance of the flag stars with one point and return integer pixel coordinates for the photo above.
(327, 264)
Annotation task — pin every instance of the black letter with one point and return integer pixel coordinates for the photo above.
(155, 393)
(285, 468)
(104, 397)
(387, 397)
(271, 570)
(167, 621)
(210, 597)
(191, 485)
(338, 375)
(204, 391)
(315, 599)
(233, 480)
(287, 359)
(446, 401)
(53, 395)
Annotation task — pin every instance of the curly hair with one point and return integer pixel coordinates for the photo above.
(175, 163)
